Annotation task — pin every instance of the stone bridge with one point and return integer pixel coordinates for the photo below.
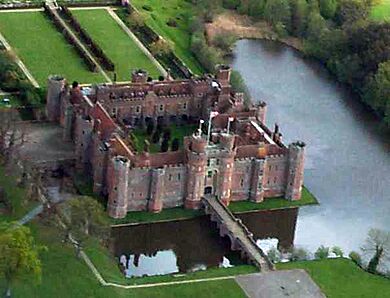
(240, 237)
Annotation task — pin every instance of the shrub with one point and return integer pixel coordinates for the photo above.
(147, 8)
(172, 22)
(225, 42)
(355, 257)
(337, 251)
(156, 136)
(299, 254)
(175, 144)
(273, 255)
(135, 20)
(165, 145)
(322, 253)
(160, 47)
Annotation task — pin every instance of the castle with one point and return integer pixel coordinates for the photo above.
(240, 159)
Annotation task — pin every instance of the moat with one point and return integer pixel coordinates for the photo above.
(347, 168)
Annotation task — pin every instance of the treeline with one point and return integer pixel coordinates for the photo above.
(337, 32)
(104, 61)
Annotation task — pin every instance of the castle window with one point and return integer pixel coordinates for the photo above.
(268, 181)
(200, 94)
(83, 132)
(276, 168)
(132, 195)
(185, 106)
(217, 162)
(82, 145)
(270, 168)
(178, 176)
(140, 194)
(170, 177)
(274, 179)
(161, 108)
(115, 188)
(242, 182)
(208, 162)
(138, 109)
(209, 174)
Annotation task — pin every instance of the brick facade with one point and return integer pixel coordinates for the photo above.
(248, 163)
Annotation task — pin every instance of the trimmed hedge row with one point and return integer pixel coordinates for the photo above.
(88, 41)
(71, 39)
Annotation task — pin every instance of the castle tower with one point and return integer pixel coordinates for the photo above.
(261, 111)
(55, 85)
(100, 163)
(256, 191)
(83, 140)
(223, 74)
(68, 123)
(157, 188)
(139, 76)
(118, 180)
(196, 166)
(296, 153)
(226, 169)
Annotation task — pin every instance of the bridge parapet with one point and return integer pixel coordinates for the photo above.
(240, 236)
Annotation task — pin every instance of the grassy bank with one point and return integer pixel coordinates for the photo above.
(342, 278)
(158, 13)
(43, 49)
(381, 12)
(117, 45)
(274, 203)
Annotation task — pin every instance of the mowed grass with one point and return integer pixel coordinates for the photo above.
(65, 275)
(342, 278)
(181, 12)
(43, 49)
(117, 45)
(381, 11)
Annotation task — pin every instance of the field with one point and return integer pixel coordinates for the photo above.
(117, 45)
(381, 11)
(43, 49)
(342, 278)
(156, 18)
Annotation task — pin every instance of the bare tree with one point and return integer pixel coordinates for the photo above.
(377, 247)
(12, 132)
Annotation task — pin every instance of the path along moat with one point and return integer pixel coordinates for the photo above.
(347, 169)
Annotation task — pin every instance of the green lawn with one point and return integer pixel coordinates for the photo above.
(16, 195)
(274, 203)
(117, 45)
(43, 49)
(64, 275)
(177, 132)
(180, 11)
(342, 278)
(381, 11)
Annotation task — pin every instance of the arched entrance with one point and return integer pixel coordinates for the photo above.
(208, 190)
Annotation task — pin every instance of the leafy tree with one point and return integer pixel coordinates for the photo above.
(299, 13)
(225, 42)
(175, 144)
(299, 254)
(337, 251)
(256, 8)
(278, 11)
(328, 8)
(231, 4)
(135, 19)
(19, 255)
(322, 253)
(156, 136)
(87, 217)
(350, 11)
(377, 246)
(273, 255)
(355, 257)
(165, 145)
(150, 128)
(316, 25)
(160, 47)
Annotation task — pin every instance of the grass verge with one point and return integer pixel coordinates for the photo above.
(342, 278)
(274, 203)
(157, 18)
(118, 46)
(43, 49)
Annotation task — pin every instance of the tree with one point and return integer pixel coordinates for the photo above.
(256, 8)
(19, 255)
(322, 253)
(337, 251)
(273, 255)
(150, 128)
(328, 8)
(165, 145)
(355, 257)
(299, 254)
(377, 247)
(175, 144)
(225, 42)
(316, 25)
(278, 11)
(135, 19)
(87, 217)
(299, 11)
